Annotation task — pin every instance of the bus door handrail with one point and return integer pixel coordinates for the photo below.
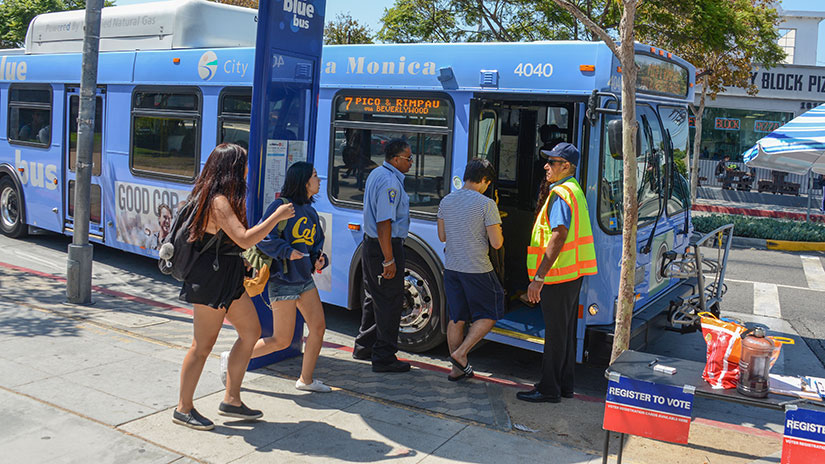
(593, 107)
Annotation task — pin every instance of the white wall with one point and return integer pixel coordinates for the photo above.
(806, 24)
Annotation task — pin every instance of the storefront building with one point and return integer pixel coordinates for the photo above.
(735, 121)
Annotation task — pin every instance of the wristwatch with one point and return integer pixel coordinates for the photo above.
(538, 278)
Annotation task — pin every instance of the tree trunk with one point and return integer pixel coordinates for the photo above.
(624, 311)
(697, 145)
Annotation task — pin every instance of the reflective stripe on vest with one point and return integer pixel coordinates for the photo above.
(578, 255)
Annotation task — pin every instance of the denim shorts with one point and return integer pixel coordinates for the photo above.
(289, 292)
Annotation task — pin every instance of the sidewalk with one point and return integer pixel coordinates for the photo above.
(716, 200)
(98, 384)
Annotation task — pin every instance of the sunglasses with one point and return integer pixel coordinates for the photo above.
(407, 158)
(552, 162)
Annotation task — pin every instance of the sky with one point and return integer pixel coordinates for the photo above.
(369, 12)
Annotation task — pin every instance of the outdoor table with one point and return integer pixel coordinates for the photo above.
(740, 179)
(636, 365)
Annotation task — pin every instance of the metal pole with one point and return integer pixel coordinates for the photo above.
(79, 265)
(810, 192)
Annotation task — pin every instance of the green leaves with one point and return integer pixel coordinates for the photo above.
(346, 30)
(15, 16)
(764, 228)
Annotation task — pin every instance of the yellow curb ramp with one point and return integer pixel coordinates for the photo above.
(794, 246)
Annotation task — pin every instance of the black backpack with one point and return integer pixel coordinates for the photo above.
(177, 253)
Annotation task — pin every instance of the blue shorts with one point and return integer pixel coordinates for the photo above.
(289, 292)
(471, 297)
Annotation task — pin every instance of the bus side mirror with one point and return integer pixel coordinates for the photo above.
(614, 138)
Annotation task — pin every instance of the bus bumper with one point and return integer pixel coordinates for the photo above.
(648, 324)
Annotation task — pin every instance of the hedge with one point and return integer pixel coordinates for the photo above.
(765, 228)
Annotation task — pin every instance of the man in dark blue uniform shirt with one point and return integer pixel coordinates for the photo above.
(386, 224)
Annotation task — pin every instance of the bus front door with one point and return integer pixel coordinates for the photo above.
(96, 226)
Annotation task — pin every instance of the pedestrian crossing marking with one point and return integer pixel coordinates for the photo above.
(814, 272)
(766, 300)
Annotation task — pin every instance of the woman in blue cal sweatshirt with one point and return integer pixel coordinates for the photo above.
(298, 251)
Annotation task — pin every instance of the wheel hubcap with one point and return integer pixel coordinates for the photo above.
(418, 303)
(9, 212)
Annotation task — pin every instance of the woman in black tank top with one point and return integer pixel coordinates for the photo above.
(219, 293)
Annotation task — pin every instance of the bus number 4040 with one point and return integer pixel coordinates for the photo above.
(538, 70)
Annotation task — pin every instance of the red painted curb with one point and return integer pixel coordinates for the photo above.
(418, 364)
(757, 212)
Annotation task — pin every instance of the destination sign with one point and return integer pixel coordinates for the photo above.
(662, 77)
(376, 104)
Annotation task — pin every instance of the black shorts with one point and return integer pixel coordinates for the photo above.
(471, 297)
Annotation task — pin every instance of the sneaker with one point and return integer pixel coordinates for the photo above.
(239, 412)
(394, 366)
(315, 386)
(224, 366)
(192, 419)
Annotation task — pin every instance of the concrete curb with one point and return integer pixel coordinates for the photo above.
(779, 245)
(815, 217)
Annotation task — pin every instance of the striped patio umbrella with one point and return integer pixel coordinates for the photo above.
(797, 147)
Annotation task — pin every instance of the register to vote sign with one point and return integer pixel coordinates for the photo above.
(804, 437)
(647, 409)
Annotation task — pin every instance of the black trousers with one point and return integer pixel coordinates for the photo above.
(383, 302)
(560, 307)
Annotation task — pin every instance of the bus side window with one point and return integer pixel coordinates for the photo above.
(365, 124)
(675, 120)
(234, 112)
(30, 115)
(165, 133)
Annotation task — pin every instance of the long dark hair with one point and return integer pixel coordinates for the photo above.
(295, 185)
(223, 174)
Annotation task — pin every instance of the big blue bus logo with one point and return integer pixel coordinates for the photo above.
(208, 65)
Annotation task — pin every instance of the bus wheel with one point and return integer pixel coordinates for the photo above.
(420, 328)
(11, 209)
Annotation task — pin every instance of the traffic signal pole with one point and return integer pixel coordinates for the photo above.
(79, 265)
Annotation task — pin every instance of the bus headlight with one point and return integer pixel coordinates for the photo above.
(593, 309)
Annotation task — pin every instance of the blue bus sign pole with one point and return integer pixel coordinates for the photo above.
(284, 111)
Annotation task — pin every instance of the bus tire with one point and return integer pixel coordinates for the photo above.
(11, 209)
(420, 328)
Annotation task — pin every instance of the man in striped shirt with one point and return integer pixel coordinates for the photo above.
(469, 223)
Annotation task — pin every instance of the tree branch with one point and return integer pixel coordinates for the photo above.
(579, 14)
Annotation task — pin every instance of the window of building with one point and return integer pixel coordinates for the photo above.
(30, 115)
(731, 132)
(165, 133)
(363, 126)
(787, 41)
(74, 109)
(235, 110)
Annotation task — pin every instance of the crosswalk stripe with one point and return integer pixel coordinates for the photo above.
(814, 272)
(766, 300)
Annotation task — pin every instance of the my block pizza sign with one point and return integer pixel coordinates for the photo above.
(804, 440)
(647, 409)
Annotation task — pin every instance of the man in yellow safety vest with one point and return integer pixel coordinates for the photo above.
(560, 254)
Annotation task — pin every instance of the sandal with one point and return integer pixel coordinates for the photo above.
(467, 370)
(456, 379)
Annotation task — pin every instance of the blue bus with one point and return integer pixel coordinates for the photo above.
(170, 89)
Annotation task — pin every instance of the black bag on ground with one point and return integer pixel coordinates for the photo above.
(177, 253)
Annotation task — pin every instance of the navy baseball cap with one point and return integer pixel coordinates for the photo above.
(565, 151)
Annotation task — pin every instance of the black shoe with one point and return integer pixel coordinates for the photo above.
(192, 419)
(239, 412)
(535, 396)
(362, 355)
(394, 366)
(568, 395)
